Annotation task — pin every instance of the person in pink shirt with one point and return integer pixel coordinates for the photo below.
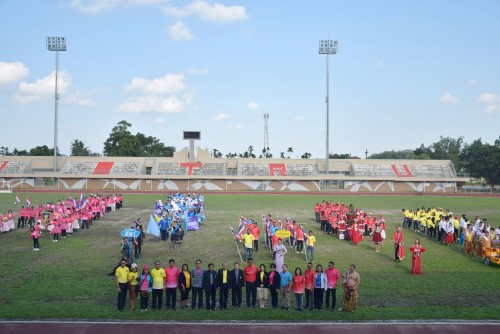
(332, 276)
(171, 282)
(35, 235)
(298, 282)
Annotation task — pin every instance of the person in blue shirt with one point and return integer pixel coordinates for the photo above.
(286, 280)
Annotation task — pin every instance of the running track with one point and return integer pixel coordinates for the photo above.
(82, 327)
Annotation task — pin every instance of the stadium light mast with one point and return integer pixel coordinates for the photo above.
(56, 43)
(327, 47)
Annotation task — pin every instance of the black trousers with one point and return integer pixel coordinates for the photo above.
(396, 251)
(333, 294)
(274, 296)
(157, 299)
(122, 295)
(197, 293)
(251, 290)
(144, 302)
(35, 243)
(171, 294)
(309, 298)
(210, 298)
(223, 294)
(300, 245)
(236, 296)
(318, 298)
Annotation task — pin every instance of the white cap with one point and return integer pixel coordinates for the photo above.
(134, 265)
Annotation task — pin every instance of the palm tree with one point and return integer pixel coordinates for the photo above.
(282, 155)
(289, 151)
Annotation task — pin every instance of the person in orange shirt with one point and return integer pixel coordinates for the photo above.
(255, 230)
(397, 238)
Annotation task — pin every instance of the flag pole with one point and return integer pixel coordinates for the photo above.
(236, 244)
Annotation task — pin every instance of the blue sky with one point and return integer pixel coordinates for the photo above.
(406, 72)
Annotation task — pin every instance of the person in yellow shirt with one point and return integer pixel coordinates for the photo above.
(133, 275)
(121, 274)
(158, 276)
(247, 240)
(311, 240)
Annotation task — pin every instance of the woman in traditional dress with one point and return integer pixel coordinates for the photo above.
(280, 251)
(377, 237)
(350, 285)
(450, 231)
(416, 264)
(468, 239)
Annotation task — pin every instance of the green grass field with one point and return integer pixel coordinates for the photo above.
(68, 279)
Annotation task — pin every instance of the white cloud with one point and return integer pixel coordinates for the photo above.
(42, 88)
(473, 82)
(168, 84)
(160, 120)
(236, 126)
(180, 32)
(197, 70)
(80, 99)
(253, 105)
(221, 117)
(449, 98)
(141, 104)
(299, 118)
(12, 72)
(95, 7)
(209, 12)
(491, 101)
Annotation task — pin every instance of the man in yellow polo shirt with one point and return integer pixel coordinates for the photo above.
(223, 286)
(158, 276)
(121, 274)
(311, 240)
(247, 240)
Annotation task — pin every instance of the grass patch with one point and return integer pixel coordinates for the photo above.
(68, 279)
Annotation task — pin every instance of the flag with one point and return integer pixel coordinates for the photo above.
(235, 235)
(156, 218)
(17, 200)
(82, 200)
(72, 201)
(28, 201)
(153, 227)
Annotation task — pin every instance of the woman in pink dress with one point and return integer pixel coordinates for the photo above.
(56, 230)
(416, 264)
(450, 230)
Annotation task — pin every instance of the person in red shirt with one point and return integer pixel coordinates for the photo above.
(22, 217)
(255, 230)
(250, 275)
(397, 238)
(332, 276)
(298, 282)
(309, 286)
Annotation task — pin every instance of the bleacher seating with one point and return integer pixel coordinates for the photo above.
(168, 168)
(211, 169)
(13, 167)
(301, 170)
(127, 168)
(404, 170)
(253, 169)
(78, 167)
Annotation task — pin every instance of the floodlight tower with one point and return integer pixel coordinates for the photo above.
(327, 47)
(266, 134)
(56, 44)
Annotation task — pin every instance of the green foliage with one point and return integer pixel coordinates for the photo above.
(122, 143)
(42, 151)
(68, 279)
(78, 149)
(482, 160)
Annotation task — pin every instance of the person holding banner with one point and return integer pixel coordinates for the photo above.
(397, 238)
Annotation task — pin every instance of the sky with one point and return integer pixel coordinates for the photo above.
(405, 73)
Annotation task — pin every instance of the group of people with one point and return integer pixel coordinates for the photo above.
(277, 236)
(62, 218)
(440, 224)
(311, 288)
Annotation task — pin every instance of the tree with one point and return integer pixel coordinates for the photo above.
(448, 149)
(122, 143)
(404, 154)
(340, 156)
(78, 149)
(482, 161)
(42, 151)
(289, 151)
(306, 155)
(216, 153)
(282, 155)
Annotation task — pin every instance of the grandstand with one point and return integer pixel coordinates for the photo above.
(234, 174)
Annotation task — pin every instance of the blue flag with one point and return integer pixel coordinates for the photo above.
(153, 227)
